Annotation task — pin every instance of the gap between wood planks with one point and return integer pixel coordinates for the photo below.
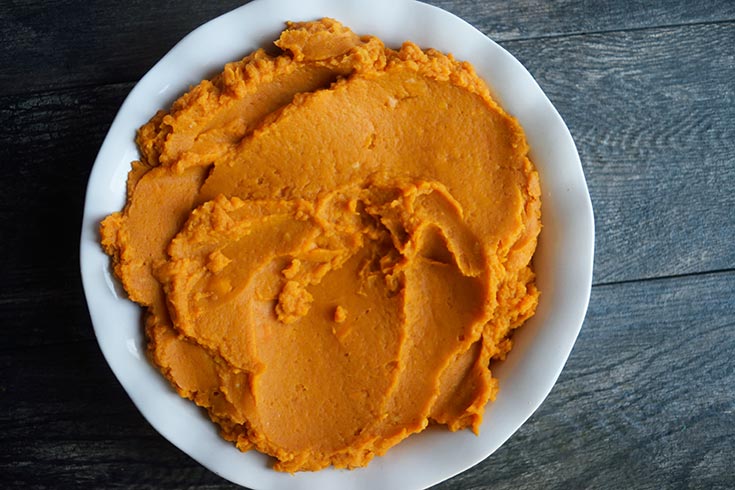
(661, 278)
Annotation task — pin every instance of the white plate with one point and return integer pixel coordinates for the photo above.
(563, 259)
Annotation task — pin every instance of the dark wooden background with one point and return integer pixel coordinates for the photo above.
(647, 399)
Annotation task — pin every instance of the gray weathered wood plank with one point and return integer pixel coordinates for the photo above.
(652, 113)
(48, 143)
(84, 43)
(527, 19)
(65, 416)
(645, 401)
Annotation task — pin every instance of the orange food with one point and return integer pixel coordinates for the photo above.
(331, 245)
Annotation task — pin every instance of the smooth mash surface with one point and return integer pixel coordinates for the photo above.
(331, 244)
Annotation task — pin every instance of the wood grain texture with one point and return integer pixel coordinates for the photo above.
(70, 425)
(48, 143)
(528, 19)
(69, 43)
(652, 114)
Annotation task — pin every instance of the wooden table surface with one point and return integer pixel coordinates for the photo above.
(647, 398)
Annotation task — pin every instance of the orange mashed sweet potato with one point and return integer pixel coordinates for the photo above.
(331, 245)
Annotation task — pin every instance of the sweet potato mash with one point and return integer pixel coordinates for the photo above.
(331, 245)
